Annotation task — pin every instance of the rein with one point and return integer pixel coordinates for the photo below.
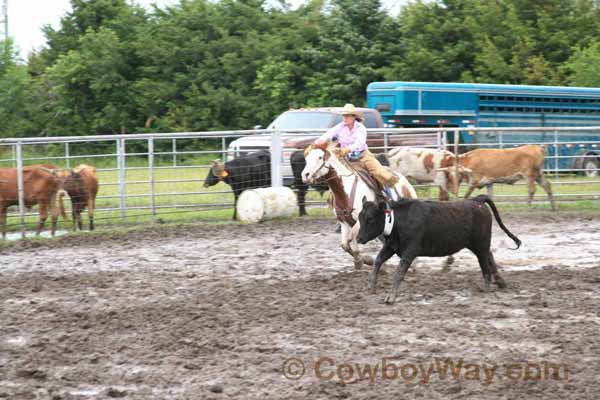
(342, 203)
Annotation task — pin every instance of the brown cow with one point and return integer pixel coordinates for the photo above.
(39, 187)
(484, 167)
(81, 184)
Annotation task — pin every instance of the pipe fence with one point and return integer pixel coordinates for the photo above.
(152, 177)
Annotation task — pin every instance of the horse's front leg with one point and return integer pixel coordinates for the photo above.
(350, 245)
(366, 259)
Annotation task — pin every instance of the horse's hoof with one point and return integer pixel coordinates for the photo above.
(368, 260)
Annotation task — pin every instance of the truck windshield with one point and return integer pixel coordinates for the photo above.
(305, 120)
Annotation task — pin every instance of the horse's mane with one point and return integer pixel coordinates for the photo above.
(321, 146)
(325, 146)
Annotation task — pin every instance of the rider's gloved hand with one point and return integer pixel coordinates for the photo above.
(343, 151)
(353, 155)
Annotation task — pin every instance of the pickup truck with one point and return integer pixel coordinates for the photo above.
(315, 118)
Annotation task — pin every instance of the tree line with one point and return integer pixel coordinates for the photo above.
(112, 66)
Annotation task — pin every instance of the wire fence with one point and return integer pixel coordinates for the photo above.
(149, 178)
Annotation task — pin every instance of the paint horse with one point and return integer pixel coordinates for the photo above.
(348, 189)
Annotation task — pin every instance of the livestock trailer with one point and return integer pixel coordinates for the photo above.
(437, 104)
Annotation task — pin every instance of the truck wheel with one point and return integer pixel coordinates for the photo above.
(590, 167)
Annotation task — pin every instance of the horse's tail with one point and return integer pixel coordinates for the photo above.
(486, 199)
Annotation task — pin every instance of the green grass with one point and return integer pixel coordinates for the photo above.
(197, 207)
(563, 186)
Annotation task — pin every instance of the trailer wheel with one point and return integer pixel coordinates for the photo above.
(591, 167)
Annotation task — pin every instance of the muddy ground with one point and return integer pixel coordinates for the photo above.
(214, 312)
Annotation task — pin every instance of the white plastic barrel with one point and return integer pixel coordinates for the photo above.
(256, 205)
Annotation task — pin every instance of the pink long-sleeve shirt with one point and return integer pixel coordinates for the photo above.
(355, 139)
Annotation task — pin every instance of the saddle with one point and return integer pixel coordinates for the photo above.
(371, 182)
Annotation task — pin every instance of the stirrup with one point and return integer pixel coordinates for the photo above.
(388, 192)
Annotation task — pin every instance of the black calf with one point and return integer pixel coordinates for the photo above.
(298, 163)
(432, 229)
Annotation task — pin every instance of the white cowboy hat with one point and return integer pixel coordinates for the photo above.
(349, 109)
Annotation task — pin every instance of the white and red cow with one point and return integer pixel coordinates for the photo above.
(425, 165)
(484, 167)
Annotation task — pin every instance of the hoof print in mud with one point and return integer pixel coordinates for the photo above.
(220, 318)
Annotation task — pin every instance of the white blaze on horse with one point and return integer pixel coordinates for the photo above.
(348, 189)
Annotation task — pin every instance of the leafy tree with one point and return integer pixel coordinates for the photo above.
(111, 66)
(90, 87)
(13, 93)
(86, 15)
(583, 67)
(354, 49)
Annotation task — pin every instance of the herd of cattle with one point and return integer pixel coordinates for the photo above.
(46, 185)
(479, 168)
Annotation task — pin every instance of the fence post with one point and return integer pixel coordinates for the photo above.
(501, 139)
(444, 140)
(276, 176)
(456, 138)
(555, 154)
(20, 183)
(175, 174)
(385, 142)
(174, 152)
(224, 159)
(121, 164)
(67, 155)
(151, 175)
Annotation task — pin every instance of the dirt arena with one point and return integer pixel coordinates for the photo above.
(276, 311)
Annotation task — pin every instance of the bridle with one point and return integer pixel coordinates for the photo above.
(329, 167)
(314, 174)
(343, 205)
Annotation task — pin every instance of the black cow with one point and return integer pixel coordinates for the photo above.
(249, 171)
(432, 229)
(298, 163)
